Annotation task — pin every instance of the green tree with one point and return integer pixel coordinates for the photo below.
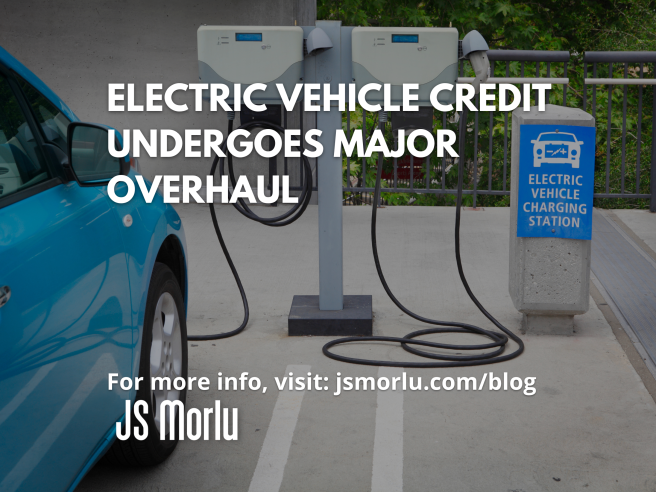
(573, 25)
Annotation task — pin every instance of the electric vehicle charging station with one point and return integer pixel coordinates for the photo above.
(336, 54)
(275, 56)
(552, 184)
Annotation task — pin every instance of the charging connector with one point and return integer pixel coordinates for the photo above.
(481, 66)
(474, 49)
(242, 207)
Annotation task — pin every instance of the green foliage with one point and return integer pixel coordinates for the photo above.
(573, 25)
(576, 25)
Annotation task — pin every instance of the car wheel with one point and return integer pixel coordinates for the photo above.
(163, 354)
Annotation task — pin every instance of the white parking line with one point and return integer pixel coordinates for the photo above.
(387, 472)
(25, 392)
(41, 446)
(275, 449)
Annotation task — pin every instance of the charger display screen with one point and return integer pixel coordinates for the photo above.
(405, 38)
(248, 36)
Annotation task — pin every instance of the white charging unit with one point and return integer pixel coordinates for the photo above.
(251, 54)
(400, 55)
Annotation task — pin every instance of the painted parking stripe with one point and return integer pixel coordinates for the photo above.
(8, 409)
(275, 450)
(387, 471)
(42, 445)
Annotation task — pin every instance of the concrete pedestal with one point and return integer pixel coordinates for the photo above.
(549, 276)
(537, 324)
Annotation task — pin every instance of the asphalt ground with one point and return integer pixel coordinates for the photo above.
(591, 424)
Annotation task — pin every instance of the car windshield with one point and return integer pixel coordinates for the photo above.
(557, 137)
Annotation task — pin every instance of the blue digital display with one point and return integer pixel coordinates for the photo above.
(405, 38)
(243, 36)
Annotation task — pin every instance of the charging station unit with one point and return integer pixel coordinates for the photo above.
(251, 54)
(395, 56)
(427, 56)
(247, 55)
(362, 55)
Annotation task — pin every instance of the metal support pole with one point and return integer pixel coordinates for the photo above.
(329, 176)
(273, 168)
(331, 313)
(329, 179)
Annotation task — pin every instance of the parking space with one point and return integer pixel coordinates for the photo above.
(590, 424)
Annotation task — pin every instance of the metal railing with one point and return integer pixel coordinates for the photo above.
(491, 158)
(626, 59)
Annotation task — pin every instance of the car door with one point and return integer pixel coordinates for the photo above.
(65, 319)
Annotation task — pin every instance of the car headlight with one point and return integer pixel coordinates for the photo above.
(573, 151)
(538, 151)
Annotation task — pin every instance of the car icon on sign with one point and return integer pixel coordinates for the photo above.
(556, 148)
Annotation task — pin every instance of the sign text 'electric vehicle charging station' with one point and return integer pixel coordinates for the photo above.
(556, 181)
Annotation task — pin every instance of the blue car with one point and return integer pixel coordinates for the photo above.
(88, 288)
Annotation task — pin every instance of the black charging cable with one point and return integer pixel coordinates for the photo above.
(278, 221)
(498, 340)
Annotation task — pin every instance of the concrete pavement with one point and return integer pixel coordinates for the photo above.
(642, 223)
(590, 426)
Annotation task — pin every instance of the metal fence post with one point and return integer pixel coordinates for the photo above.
(652, 179)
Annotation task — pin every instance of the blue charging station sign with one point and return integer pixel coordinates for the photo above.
(556, 181)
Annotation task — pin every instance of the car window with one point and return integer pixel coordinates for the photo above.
(53, 122)
(557, 137)
(21, 162)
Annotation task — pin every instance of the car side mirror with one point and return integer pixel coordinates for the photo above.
(88, 155)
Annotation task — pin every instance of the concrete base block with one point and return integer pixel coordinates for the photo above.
(305, 318)
(536, 324)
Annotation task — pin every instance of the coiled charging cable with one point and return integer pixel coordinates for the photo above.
(498, 340)
(281, 220)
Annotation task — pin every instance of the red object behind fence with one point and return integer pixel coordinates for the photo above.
(403, 169)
